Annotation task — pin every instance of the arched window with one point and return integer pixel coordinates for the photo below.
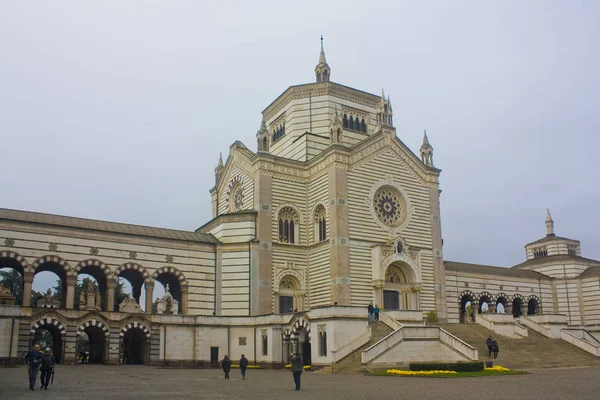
(265, 146)
(265, 343)
(323, 344)
(345, 121)
(363, 126)
(320, 224)
(351, 123)
(288, 225)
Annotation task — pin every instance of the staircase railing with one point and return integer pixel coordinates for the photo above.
(582, 339)
(389, 321)
(347, 349)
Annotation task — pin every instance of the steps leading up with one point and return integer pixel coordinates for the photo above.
(534, 352)
(352, 364)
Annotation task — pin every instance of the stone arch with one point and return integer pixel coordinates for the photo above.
(93, 263)
(518, 302)
(172, 271)
(135, 267)
(466, 296)
(533, 305)
(486, 297)
(297, 276)
(502, 298)
(18, 259)
(91, 323)
(133, 325)
(298, 326)
(52, 259)
(403, 258)
(40, 322)
(289, 292)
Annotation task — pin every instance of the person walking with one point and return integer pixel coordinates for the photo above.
(489, 343)
(371, 310)
(376, 312)
(495, 348)
(226, 363)
(34, 360)
(47, 367)
(297, 368)
(243, 366)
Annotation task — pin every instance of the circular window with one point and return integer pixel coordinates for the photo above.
(389, 206)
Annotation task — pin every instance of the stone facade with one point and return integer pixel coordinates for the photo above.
(331, 213)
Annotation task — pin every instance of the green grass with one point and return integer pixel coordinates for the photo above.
(457, 375)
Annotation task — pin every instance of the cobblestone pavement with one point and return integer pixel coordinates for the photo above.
(149, 383)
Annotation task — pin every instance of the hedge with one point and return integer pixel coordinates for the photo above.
(468, 366)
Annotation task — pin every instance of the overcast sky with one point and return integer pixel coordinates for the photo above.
(117, 110)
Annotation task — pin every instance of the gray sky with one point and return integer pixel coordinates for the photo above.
(118, 110)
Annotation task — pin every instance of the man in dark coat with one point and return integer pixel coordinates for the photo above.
(371, 310)
(226, 363)
(34, 360)
(489, 343)
(297, 368)
(243, 366)
(47, 368)
(495, 348)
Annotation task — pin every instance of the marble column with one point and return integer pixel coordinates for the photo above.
(184, 299)
(27, 282)
(71, 283)
(339, 236)
(149, 294)
(111, 284)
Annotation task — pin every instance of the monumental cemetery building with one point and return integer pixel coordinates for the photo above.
(331, 212)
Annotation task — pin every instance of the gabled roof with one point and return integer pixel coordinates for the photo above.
(550, 238)
(104, 226)
(556, 259)
(591, 272)
(492, 270)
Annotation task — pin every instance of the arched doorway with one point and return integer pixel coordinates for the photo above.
(97, 337)
(135, 344)
(501, 302)
(467, 299)
(304, 346)
(516, 307)
(533, 306)
(399, 292)
(49, 332)
(486, 303)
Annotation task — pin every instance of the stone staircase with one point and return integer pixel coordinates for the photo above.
(352, 364)
(534, 352)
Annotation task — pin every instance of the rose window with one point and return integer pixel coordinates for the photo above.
(388, 206)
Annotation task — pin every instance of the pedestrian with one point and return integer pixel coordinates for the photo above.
(243, 366)
(34, 360)
(297, 368)
(489, 343)
(376, 312)
(226, 363)
(47, 368)
(371, 310)
(495, 348)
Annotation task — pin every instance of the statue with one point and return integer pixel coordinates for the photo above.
(48, 297)
(6, 297)
(82, 299)
(169, 307)
(167, 304)
(129, 305)
(4, 291)
(47, 300)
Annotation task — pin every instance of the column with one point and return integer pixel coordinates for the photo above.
(27, 282)
(378, 295)
(111, 284)
(339, 236)
(184, 299)
(508, 308)
(523, 310)
(439, 271)
(71, 283)
(492, 307)
(149, 294)
(262, 285)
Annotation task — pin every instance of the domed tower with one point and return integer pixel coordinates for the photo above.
(322, 70)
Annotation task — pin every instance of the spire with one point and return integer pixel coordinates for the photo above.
(322, 59)
(549, 224)
(382, 96)
(220, 164)
(322, 70)
(262, 137)
(426, 151)
(389, 102)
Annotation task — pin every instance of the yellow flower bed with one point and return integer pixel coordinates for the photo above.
(289, 366)
(498, 368)
(248, 367)
(418, 373)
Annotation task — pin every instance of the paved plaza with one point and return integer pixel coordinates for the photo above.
(149, 383)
